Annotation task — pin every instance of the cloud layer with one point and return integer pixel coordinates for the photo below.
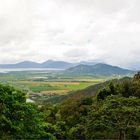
(71, 30)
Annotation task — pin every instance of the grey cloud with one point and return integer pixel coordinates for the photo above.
(72, 30)
(77, 53)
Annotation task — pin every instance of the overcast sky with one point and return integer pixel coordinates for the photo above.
(70, 30)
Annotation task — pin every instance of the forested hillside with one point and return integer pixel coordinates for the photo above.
(99, 69)
(112, 113)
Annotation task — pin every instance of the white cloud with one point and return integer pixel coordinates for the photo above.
(71, 30)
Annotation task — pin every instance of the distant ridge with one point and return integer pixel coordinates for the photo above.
(24, 64)
(46, 64)
(81, 68)
(98, 69)
(56, 64)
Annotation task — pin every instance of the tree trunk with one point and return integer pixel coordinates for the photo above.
(122, 135)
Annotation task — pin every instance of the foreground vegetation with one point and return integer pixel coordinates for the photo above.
(112, 113)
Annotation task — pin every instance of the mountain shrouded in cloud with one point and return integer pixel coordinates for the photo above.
(74, 30)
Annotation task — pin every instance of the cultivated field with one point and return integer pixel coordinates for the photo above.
(43, 85)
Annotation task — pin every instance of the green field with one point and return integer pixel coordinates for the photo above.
(42, 81)
(43, 85)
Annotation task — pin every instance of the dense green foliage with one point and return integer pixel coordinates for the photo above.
(19, 119)
(114, 113)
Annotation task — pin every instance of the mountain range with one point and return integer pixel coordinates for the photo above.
(46, 64)
(81, 68)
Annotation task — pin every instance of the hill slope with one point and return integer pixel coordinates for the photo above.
(87, 92)
(98, 69)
